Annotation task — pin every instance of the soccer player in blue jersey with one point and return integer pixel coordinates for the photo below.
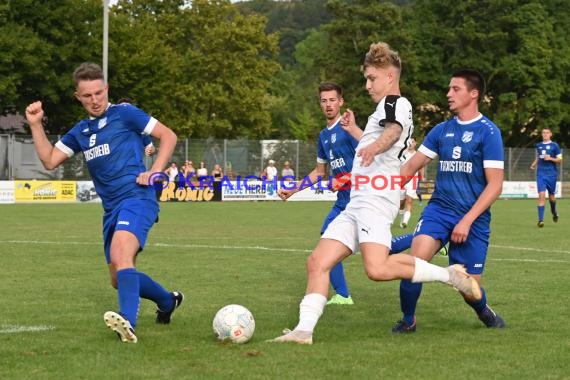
(335, 148)
(110, 139)
(548, 155)
(365, 222)
(469, 179)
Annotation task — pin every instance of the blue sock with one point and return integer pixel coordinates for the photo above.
(338, 281)
(553, 207)
(540, 213)
(401, 243)
(128, 288)
(409, 295)
(479, 306)
(152, 290)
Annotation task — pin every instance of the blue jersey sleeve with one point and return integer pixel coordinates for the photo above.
(321, 154)
(430, 145)
(147, 140)
(68, 143)
(556, 151)
(493, 152)
(136, 119)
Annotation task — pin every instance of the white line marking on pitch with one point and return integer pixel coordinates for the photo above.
(272, 249)
(15, 329)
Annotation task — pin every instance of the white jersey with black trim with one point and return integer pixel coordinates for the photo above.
(382, 176)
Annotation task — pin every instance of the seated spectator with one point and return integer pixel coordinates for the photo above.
(287, 171)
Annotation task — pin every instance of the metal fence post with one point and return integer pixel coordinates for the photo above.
(186, 149)
(297, 160)
(225, 163)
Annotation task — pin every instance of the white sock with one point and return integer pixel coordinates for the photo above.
(310, 310)
(426, 272)
(406, 217)
(401, 213)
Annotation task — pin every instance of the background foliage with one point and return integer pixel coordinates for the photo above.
(210, 68)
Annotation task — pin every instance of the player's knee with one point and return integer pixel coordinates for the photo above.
(377, 273)
(314, 264)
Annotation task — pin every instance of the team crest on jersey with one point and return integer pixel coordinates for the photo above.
(467, 136)
(102, 123)
(456, 153)
(333, 138)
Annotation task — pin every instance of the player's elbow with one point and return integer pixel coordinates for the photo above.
(49, 165)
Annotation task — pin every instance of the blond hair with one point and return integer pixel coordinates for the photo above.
(382, 56)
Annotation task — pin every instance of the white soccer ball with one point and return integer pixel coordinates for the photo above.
(234, 323)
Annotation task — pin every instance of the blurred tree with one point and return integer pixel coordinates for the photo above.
(229, 61)
(517, 45)
(40, 48)
(206, 68)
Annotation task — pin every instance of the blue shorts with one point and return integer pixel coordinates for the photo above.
(439, 222)
(335, 211)
(546, 184)
(134, 215)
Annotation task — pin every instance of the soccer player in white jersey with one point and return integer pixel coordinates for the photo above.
(374, 202)
(469, 179)
(110, 140)
(548, 156)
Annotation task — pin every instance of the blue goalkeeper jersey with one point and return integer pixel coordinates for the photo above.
(112, 148)
(337, 148)
(465, 150)
(547, 168)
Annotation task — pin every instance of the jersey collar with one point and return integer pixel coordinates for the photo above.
(465, 122)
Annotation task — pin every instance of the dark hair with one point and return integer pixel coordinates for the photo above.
(87, 71)
(330, 86)
(473, 79)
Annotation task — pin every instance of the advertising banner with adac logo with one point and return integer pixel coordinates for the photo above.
(45, 191)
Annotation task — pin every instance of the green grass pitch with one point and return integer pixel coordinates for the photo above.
(54, 289)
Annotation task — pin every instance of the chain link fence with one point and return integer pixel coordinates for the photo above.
(18, 159)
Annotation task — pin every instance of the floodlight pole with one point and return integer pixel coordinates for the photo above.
(105, 38)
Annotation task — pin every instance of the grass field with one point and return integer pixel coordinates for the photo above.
(54, 280)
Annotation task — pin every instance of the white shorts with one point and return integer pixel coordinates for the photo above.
(408, 191)
(368, 222)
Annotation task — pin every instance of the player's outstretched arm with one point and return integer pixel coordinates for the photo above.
(413, 165)
(317, 174)
(50, 157)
